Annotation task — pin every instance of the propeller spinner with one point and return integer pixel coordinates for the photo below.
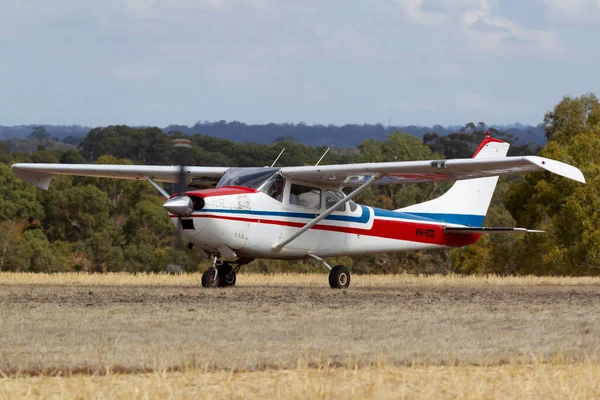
(182, 206)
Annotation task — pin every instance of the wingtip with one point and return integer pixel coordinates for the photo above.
(38, 179)
(559, 168)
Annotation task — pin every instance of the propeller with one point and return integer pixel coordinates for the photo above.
(180, 204)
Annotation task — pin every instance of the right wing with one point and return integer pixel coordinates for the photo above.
(429, 170)
(40, 175)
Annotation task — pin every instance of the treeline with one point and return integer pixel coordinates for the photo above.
(337, 135)
(97, 225)
(349, 135)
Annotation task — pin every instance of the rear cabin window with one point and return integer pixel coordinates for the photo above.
(305, 196)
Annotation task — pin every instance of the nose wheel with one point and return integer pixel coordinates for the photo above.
(210, 278)
(223, 273)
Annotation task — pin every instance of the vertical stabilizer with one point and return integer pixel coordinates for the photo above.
(467, 201)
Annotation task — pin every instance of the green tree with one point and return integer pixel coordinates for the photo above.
(566, 209)
(36, 254)
(77, 212)
(19, 199)
(11, 235)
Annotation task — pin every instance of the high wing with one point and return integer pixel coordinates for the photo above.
(40, 175)
(427, 171)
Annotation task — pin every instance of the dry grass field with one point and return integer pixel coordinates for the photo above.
(290, 336)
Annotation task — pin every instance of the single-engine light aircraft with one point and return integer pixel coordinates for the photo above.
(241, 214)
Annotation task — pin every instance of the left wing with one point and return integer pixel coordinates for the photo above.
(41, 174)
(430, 170)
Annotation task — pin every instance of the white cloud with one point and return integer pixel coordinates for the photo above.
(416, 14)
(483, 29)
(493, 34)
(573, 11)
(435, 12)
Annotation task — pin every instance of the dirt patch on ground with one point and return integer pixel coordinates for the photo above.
(91, 327)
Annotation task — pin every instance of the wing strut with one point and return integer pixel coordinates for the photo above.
(277, 247)
(157, 187)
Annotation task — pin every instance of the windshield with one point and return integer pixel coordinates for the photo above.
(248, 177)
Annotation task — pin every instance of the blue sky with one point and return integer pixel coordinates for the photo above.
(422, 62)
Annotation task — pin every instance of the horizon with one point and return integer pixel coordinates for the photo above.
(513, 124)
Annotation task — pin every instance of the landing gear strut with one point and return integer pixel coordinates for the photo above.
(339, 276)
(210, 277)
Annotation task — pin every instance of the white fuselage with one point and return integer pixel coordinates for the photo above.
(250, 222)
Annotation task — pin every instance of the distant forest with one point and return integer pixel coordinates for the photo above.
(310, 135)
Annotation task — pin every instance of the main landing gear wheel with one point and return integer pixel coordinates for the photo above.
(339, 277)
(226, 275)
(209, 280)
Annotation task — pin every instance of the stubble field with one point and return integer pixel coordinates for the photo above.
(116, 335)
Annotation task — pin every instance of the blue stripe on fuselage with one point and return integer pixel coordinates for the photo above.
(459, 219)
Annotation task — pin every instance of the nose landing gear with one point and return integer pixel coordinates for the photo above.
(223, 273)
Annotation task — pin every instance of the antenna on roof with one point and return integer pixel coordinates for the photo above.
(278, 157)
(322, 156)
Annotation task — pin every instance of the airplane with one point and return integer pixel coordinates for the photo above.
(237, 215)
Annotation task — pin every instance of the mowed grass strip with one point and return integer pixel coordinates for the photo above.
(153, 322)
(581, 381)
(287, 279)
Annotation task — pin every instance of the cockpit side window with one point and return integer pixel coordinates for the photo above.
(274, 187)
(332, 197)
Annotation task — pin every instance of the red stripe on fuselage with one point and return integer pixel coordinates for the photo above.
(388, 229)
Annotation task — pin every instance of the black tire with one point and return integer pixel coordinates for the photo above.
(208, 278)
(339, 277)
(226, 275)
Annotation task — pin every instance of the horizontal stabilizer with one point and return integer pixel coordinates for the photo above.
(481, 229)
